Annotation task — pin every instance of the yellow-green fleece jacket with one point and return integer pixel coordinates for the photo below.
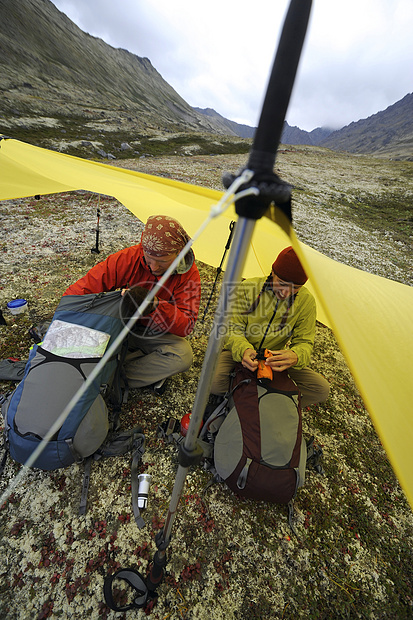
(245, 331)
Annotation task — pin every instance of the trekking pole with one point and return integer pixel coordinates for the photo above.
(96, 250)
(249, 210)
(269, 189)
(219, 269)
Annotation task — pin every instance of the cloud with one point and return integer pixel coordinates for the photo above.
(356, 59)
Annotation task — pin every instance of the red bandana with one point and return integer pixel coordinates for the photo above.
(163, 235)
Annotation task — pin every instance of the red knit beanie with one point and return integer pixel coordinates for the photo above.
(288, 267)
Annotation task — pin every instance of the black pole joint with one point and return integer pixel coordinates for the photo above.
(161, 543)
(187, 458)
(271, 189)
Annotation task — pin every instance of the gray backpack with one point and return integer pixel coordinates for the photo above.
(82, 327)
(259, 450)
(253, 439)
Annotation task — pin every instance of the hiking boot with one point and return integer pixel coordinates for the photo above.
(159, 387)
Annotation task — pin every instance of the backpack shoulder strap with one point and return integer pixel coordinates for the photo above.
(85, 486)
(3, 459)
(120, 443)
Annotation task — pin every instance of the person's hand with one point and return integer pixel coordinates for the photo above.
(132, 298)
(248, 359)
(281, 360)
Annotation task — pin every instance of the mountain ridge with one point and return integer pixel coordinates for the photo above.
(386, 133)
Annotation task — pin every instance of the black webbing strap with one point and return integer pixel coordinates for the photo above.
(219, 411)
(291, 517)
(3, 461)
(118, 444)
(135, 581)
(85, 486)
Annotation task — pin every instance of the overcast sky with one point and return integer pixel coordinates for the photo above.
(357, 59)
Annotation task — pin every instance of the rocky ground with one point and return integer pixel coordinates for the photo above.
(228, 558)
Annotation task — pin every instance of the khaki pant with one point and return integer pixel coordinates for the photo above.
(313, 387)
(151, 359)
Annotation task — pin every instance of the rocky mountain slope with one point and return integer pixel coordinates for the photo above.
(388, 133)
(56, 79)
(231, 127)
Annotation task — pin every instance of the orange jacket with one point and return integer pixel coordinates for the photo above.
(179, 297)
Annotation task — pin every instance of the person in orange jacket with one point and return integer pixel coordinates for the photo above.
(157, 347)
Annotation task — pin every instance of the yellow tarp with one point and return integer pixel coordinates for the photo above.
(372, 318)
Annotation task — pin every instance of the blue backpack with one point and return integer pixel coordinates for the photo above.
(82, 328)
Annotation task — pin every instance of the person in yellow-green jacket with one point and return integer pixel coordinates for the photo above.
(278, 314)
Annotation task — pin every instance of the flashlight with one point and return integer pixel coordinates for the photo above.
(144, 484)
